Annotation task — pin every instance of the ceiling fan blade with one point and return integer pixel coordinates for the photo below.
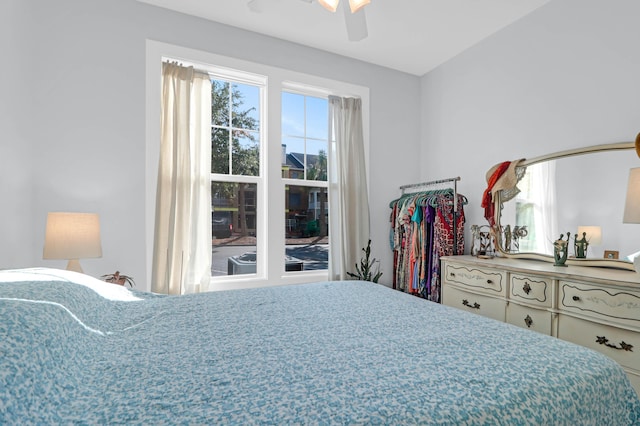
(356, 23)
(256, 6)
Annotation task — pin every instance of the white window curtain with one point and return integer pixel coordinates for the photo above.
(182, 243)
(547, 217)
(538, 201)
(348, 196)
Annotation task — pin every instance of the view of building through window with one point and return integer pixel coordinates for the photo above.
(237, 177)
(235, 152)
(304, 171)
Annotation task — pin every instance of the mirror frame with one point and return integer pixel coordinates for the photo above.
(498, 205)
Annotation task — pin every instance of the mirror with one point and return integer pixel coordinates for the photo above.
(560, 192)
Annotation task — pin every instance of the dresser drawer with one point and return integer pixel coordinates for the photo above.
(619, 344)
(620, 306)
(476, 303)
(531, 289)
(530, 318)
(487, 281)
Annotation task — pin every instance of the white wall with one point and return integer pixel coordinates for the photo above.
(72, 117)
(565, 76)
(16, 220)
(76, 132)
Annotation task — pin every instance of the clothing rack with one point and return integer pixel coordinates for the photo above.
(455, 180)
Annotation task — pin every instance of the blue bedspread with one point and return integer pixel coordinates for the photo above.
(326, 353)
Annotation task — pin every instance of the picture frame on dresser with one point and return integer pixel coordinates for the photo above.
(611, 254)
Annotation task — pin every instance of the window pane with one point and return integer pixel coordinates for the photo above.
(317, 160)
(292, 114)
(246, 153)
(220, 103)
(317, 118)
(293, 158)
(305, 128)
(246, 106)
(233, 222)
(306, 228)
(219, 151)
(243, 138)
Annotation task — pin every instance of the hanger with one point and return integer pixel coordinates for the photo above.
(464, 201)
(422, 196)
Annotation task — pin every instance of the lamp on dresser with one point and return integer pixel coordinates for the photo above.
(72, 236)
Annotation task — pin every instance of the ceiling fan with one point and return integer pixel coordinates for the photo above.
(354, 16)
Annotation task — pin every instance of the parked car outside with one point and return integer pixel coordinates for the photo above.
(221, 226)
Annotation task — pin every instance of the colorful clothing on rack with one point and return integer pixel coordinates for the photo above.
(422, 230)
(445, 236)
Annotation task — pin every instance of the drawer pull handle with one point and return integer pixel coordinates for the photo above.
(475, 305)
(489, 282)
(528, 321)
(452, 274)
(623, 346)
(576, 298)
(526, 288)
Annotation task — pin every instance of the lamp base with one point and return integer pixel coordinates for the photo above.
(74, 265)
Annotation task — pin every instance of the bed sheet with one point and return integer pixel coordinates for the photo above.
(76, 350)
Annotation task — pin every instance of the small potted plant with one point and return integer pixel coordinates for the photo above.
(119, 279)
(364, 271)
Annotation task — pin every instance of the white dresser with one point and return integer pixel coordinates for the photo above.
(594, 307)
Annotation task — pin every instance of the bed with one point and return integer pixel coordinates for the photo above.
(77, 350)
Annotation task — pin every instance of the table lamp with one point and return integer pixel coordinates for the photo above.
(72, 236)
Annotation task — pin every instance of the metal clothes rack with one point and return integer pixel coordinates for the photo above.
(455, 180)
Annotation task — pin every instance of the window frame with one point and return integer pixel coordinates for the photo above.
(234, 76)
(272, 222)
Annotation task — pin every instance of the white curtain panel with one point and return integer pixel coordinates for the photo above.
(547, 219)
(348, 194)
(182, 243)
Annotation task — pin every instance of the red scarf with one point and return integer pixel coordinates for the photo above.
(487, 203)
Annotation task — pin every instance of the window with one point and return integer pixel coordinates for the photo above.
(236, 174)
(305, 124)
(260, 115)
(236, 146)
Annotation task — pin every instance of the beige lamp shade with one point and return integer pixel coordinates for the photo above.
(72, 236)
(593, 234)
(632, 202)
